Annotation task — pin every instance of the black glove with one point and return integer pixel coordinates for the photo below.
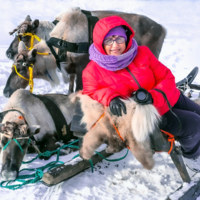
(116, 105)
(143, 97)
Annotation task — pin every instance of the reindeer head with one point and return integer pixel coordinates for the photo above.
(21, 65)
(14, 142)
(28, 26)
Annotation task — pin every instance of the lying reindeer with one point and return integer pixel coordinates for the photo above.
(132, 130)
(26, 116)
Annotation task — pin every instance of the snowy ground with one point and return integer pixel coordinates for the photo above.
(123, 179)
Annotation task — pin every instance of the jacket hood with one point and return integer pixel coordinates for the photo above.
(103, 26)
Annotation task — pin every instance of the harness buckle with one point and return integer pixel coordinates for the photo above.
(59, 42)
(64, 44)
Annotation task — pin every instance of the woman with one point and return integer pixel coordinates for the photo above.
(119, 67)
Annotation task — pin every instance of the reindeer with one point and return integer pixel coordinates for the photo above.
(73, 27)
(31, 32)
(26, 116)
(41, 29)
(132, 130)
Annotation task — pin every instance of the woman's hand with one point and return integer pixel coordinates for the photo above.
(116, 105)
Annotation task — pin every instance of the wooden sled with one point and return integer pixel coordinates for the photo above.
(159, 143)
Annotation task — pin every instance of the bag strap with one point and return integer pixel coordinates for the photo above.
(133, 77)
(164, 96)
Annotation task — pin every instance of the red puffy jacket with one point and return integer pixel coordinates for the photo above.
(103, 85)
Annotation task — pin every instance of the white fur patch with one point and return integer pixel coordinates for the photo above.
(144, 121)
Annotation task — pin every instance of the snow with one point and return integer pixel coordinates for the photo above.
(124, 179)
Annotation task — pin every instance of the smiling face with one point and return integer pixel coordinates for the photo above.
(114, 49)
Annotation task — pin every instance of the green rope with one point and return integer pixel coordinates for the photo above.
(37, 176)
(112, 160)
(7, 144)
(17, 144)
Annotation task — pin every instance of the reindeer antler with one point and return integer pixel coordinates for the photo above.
(13, 31)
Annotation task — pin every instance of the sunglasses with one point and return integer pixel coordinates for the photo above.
(118, 39)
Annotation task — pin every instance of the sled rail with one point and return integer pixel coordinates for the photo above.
(67, 170)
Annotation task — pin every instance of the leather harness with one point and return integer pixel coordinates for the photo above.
(64, 46)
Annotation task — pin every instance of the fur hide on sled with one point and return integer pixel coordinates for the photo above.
(135, 129)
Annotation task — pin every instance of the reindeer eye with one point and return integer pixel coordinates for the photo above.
(24, 64)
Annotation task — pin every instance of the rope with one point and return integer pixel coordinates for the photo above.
(38, 174)
(170, 139)
(19, 73)
(33, 36)
(117, 131)
(43, 54)
(30, 80)
(31, 83)
(17, 143)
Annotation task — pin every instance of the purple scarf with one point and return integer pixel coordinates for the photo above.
(113, 63)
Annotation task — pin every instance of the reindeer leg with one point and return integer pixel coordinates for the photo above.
(91, 141)
(71, 83)
(142, 152)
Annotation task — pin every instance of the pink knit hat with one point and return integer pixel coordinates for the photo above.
(118, 30)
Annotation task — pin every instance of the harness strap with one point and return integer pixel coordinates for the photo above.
(31, 83)
(98, 120)
(81, 47)
(50, 45)
(92, 20)
(170, 139)
(33, 36)
(43, 54)
(113, 126)
(19, 73)
(57, 116)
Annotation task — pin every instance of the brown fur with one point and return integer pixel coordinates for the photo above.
(104, 131)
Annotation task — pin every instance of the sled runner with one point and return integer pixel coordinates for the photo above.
(186, 83)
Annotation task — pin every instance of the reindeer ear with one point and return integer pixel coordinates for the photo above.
(32, 53)
(21, 46)
(33, 130)
(35, 24)
(28, 18)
